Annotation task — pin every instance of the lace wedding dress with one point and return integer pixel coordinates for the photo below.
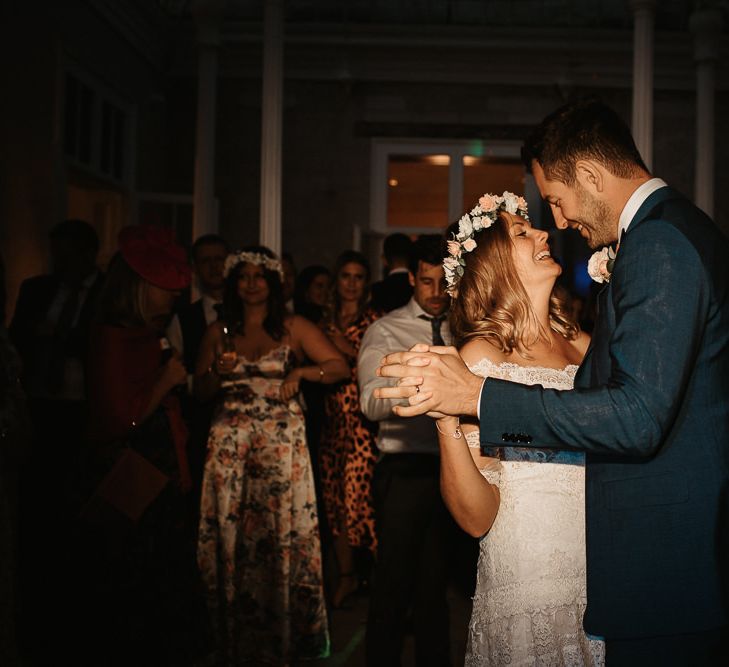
(530, 592)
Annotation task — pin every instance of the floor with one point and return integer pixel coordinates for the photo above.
(347, 629)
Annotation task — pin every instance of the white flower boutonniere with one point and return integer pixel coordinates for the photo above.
(600, 266)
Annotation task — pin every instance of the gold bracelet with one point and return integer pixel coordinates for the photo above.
(456, 435)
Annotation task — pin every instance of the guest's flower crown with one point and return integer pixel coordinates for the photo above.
(235, 258)
(482, 216)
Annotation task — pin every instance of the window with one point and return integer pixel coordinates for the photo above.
(96, 130)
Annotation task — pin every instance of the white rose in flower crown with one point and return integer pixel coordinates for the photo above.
(450, 263)
(476, 210)
(469, 245)
(465, 227)
(511, 202)
(477, 224)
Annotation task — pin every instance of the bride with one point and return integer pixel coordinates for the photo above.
(527, 504)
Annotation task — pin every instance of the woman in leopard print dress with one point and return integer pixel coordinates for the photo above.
(347, 449)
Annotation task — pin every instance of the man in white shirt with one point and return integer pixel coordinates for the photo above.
(185, 333)
(412, 522)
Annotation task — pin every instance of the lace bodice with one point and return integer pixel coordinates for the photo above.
(549, 378)
(530, 594)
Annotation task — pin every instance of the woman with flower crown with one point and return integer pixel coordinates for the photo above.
(258, 546)
(528, 505)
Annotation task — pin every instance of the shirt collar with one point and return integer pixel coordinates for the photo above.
(415, 310)
(636, 200)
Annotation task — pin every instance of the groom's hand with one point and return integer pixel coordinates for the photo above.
(446, 386)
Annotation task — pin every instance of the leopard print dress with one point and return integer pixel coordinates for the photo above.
(347, 453)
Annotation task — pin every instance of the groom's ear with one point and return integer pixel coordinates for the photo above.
(590, 175)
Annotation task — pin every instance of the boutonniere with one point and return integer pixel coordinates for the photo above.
(600, 266)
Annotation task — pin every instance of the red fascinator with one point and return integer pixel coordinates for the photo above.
(153, 253)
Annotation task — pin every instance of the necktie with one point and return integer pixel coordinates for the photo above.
(435, 323)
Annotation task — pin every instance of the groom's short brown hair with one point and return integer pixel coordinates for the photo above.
(583, 129)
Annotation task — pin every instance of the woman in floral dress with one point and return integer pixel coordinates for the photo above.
(347, 451)
(258, 548)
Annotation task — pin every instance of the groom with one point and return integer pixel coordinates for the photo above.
(651, 401)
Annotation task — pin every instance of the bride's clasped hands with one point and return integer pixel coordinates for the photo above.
(433, 379)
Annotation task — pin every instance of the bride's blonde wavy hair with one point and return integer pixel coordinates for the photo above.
(492, 303)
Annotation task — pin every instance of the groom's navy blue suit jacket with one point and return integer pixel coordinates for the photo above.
(651, 411)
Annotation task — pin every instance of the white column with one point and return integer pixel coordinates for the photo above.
(271, 125)
(643, 14)
(204, 218)
(706, 26)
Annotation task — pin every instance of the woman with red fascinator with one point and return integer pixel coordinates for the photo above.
(138, 436)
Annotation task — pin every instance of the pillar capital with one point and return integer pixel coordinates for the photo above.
(208, 16)
(706, 26)
(643, 6)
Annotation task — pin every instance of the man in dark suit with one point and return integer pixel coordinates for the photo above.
(50, 329)
(185, 333)
(395, 290)
(651, 401)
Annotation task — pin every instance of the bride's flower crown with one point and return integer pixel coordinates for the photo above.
(482, 216)
(235, 258)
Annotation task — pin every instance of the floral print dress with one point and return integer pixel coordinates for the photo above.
(258, 549)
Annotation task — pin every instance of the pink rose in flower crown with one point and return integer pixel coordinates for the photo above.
(487, 203)
(521, 203)
(469, 245)
(454, 248)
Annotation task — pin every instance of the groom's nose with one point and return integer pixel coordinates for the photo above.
(559, 220)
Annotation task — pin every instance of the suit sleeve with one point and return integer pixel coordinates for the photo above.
(660, 295)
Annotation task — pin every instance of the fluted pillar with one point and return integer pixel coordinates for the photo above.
(207, 15)
(643, 16)
(271, 124)
(705, 25)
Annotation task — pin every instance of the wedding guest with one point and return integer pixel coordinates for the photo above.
(649, 407)
(145, 606)
(50, 331)
(311, 295)
(413, 525)
(394, 290)
(347, 449)
(258, 549)
(14, 448)
(311, 298)
(185, 332)
(289, 282)
(188, 325)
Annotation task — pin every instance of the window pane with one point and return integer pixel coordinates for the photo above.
(118, 144)
(106, 137)
(85, 126)
(417, 191)
(494, 175)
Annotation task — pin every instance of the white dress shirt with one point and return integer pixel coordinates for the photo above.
(636, 200)
(398, 330)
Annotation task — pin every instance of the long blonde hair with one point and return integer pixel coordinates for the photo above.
(492, 303)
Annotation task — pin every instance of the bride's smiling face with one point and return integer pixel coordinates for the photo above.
(530, 251)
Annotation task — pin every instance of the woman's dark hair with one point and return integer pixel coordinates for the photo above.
(584, 129)
(233, 308)
(307, 276)
(349, 257)
(120, 301)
